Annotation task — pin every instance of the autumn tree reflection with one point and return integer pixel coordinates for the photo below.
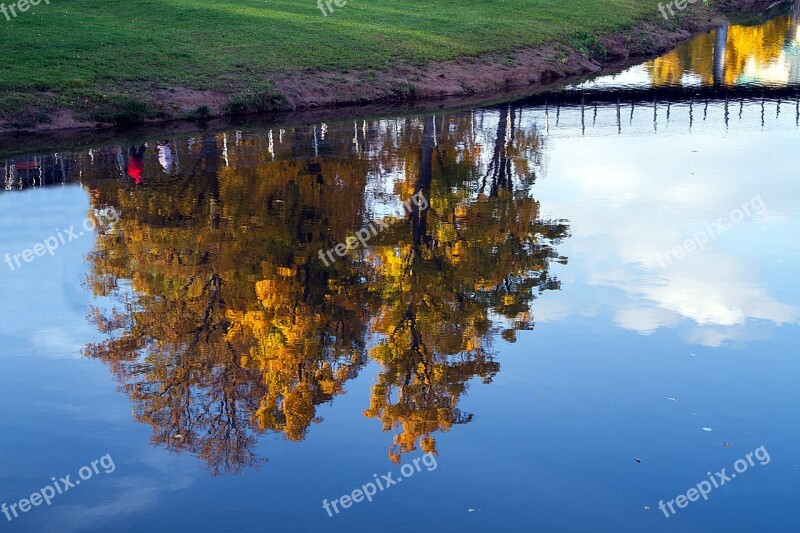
(226, 328)
(442, 274)
(223, 323)
(731, 55)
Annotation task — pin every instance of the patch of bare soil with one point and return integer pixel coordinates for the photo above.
(183, 100)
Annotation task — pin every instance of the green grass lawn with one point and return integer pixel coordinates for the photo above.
(82, 48)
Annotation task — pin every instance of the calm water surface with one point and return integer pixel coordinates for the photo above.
(598, 306)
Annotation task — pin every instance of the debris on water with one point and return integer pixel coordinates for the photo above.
(672, 399)
(637, 459)
(707, 429)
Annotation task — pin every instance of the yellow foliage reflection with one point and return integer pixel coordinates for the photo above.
(733, 55)
(224, 322)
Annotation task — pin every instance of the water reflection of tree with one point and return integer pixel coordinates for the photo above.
(457, 262)
(228, 324)
(222, 289)
(747, 47)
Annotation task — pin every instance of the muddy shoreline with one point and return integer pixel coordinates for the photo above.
(453, 83)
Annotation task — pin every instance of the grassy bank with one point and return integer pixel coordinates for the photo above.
(103, 59)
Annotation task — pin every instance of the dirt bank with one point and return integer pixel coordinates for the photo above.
(476, 78)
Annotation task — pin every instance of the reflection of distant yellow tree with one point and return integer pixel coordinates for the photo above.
(440, 273)
(757, 45)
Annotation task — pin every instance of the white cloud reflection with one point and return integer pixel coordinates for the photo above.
(631, 198)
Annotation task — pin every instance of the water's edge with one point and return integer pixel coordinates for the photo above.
(483, 81)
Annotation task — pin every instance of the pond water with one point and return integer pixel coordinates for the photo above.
(555, 313)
